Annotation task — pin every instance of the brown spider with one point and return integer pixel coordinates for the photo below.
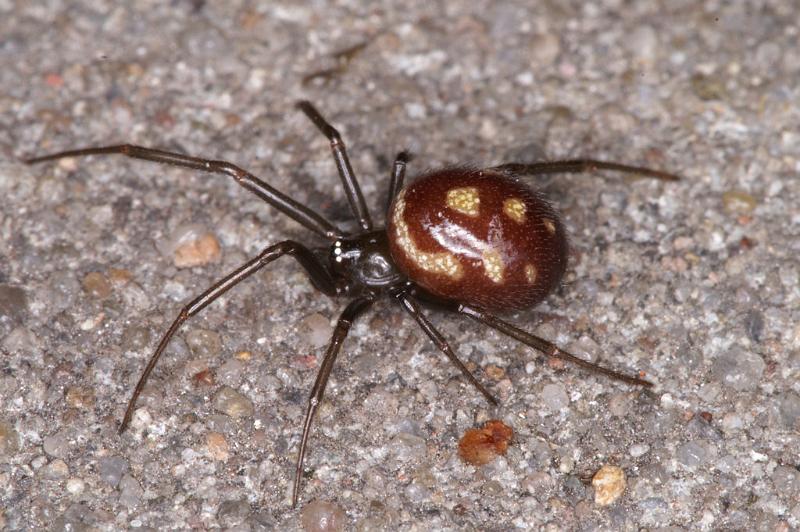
(466, 240)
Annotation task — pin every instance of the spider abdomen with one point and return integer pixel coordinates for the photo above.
(478, 237)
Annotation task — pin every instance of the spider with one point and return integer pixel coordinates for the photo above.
(466, 240)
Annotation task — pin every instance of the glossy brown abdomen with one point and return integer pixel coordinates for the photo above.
(478, 237)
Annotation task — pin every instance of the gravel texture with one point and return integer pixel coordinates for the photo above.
(695, 283)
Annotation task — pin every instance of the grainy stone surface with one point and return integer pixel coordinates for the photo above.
(696, 283)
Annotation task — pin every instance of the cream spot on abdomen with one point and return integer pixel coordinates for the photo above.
(515, 209)
(465, 200)
(493, 266)
(443, 263)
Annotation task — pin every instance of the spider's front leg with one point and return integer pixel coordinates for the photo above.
(318, 273)
(351, 188)
(295, 210)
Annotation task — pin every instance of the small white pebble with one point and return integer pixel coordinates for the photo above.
(56, 469)
(758, 457)
(567, 465)
(75, 486)
(525, 79)
(38, 462)
(141, 418)
(317, 329)
(68, 164)
(92, 322)
(415, 110)
(638, 450)
(555, 397)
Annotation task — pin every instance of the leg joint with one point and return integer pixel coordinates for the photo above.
(229, 168)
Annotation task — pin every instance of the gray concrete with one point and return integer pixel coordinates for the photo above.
(695, 283)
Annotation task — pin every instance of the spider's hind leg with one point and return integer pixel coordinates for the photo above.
(576, 166)
(544, 346)
(350, 313)
(411, 305)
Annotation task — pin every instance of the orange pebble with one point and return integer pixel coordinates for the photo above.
(481, 446)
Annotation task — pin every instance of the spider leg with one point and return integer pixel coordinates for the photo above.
(542, 345)
(319, 275)
(578, 166)
(397, 177)
(354, 309)
(351, 188)
(412, 307)
(298, 212)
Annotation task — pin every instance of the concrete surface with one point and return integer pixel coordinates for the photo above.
(696, 284)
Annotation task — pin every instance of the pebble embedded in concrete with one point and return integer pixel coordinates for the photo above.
(57, 445)
(96, 285)
(230, 402)
(790, 409)
(111, 469)
(555, 397)
(232, 513)
(204, 343)
(191, 245)
(9, 439)
(217, 446)
(691, 454)
(322, 516)
(80, 397)
(130, 491)
(13, 304)
(738, 368)
(231, 372)
(407, 447)
(56, 470)
(316, 330)
(75, 486)
(609, 484)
